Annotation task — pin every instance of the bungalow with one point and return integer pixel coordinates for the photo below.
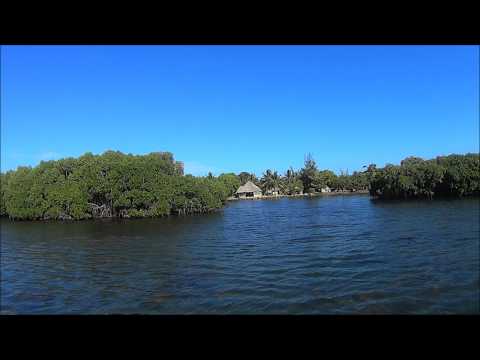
(249, 190)
(272, 192)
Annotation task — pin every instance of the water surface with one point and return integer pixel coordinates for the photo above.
(326, 255)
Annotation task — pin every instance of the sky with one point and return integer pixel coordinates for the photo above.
(240, 108)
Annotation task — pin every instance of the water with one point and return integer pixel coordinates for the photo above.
(330, 255)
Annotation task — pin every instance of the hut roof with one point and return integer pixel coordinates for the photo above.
(248, 187)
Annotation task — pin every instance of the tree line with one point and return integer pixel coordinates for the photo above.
(111, 185)
(114, 184)
(445, 176)
(309, 179)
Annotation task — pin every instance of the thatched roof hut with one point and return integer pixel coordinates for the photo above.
(248, 190)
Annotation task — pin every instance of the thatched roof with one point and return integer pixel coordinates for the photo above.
(248, 187)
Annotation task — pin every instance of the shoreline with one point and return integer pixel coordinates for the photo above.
(270, 197)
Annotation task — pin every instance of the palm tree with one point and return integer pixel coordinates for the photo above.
(290, 175)
(269, 180)
(276, 181)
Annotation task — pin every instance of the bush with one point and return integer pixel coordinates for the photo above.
(110, 185)
(453, 175)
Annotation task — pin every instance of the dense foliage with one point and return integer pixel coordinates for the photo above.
(453, 175)
(309, 179)
(111, 185)
(118, 185)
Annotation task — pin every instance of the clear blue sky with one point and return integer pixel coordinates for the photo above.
(240, 108)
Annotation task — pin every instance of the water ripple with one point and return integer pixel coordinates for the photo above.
(338, 255)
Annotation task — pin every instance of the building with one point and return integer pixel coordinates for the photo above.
(249, 190)
(273, 192)
(326, 190)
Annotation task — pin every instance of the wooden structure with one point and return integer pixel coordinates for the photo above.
(249, 190)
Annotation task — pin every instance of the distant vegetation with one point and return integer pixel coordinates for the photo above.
(309, 179)
(119, 185)
(111, 185)
(453, 175)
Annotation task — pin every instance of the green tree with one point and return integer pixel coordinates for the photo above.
(244, 177)
(308, 173)
(453, 175)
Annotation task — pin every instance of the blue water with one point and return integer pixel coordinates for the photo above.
(325, 255)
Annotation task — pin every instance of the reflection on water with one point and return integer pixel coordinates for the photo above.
(344, 254)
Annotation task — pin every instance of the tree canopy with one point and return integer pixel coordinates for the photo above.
(114, 184)
(453, 175)
(110, 185)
